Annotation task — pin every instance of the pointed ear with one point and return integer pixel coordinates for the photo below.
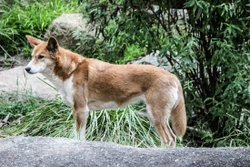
(52, 45)
(33, 41)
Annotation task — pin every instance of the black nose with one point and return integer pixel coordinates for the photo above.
(27, 69)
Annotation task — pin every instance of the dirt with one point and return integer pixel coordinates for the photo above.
(13, 78)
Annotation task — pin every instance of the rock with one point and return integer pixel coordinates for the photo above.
(155, 60)
(63, 28)
(17, 80)
(45, 151)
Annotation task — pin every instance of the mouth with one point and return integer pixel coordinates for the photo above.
(30, 72)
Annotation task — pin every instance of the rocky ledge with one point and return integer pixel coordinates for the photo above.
(45, 151)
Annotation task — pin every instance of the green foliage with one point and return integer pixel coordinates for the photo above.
(112, 44)
(90, 46)
(207, 44)
(32, 116)
(221, 29)
(19, 19)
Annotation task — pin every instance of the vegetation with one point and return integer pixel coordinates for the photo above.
(205, 42)
(19, 18)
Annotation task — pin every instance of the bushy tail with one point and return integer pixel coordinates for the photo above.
(178, 117)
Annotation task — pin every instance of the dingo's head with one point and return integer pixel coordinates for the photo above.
(43, 55)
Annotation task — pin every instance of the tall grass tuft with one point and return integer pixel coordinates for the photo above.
(123, 126)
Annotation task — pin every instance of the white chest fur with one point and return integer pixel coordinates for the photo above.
(67, 91)
(65, 88)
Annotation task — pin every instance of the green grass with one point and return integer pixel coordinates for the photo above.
(32, 116)
(19, 19)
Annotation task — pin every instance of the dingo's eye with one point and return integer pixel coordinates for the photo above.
(40, 56)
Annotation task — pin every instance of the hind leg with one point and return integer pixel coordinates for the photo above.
(159, 117)
(173, 142)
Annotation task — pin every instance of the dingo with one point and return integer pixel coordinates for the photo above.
(90, 84)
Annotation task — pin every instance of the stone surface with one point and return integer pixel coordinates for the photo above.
(16, 79)
(44, 151)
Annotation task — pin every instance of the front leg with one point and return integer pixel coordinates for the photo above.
(81, 115)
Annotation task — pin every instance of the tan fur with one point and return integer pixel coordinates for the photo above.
(97, 85)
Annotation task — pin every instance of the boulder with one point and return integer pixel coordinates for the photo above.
(46, 151)
(67, 29)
